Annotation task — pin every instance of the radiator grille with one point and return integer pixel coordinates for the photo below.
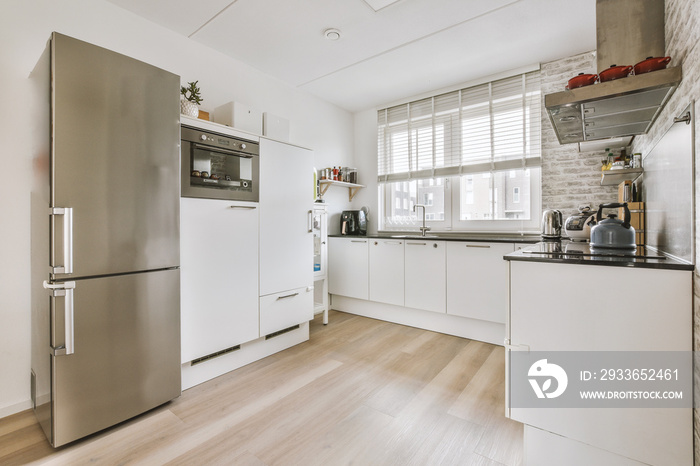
(276, 334)
(215, 355)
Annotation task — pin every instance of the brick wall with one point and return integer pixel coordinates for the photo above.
(569, 177)
(682, 45)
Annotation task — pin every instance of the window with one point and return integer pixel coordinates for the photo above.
(402, 215)
(462, 154)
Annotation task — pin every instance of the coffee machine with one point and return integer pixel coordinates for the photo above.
(353, 223)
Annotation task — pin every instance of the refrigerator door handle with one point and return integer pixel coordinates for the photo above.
(67, 213)
(65, 289)
(310, 221)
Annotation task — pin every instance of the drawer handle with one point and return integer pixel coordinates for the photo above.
(357, 241)
(416, 244)
(478, 246)
(242, 207)
(391, 242)
(287, 296)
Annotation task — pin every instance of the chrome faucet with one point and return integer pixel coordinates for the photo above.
(423, 229)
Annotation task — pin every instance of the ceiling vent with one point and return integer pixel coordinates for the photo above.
(627, 32)
(332, 34)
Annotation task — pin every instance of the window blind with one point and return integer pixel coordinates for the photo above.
(492, 126)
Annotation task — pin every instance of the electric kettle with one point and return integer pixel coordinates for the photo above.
(551, 224)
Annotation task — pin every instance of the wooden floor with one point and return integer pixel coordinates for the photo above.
(360, 392)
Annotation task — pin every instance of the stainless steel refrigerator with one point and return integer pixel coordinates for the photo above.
(105, 239)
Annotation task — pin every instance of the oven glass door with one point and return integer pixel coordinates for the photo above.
(216, 173)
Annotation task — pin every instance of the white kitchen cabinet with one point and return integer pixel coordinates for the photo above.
(219, 275)
(626, 309)
(477, 280)
(348, 267)
(279, 311)
(425, 277)
(286, 241)
(386, 271)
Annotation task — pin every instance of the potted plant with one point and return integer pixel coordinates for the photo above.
(189, 105)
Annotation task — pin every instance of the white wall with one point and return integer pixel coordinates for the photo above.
(25, 26)
(366, 162)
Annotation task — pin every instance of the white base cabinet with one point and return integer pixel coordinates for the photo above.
(386, 271)
(463, 285)
(348, 267)
(280, 311)
(219, 275)
(425, 285)
(477, 280)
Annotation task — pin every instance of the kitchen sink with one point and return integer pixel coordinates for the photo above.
(415, 236)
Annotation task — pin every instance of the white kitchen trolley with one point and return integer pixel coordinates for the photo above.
(319, 227)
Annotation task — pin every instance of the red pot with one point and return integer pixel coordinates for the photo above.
(614, 72)
(582, 80)
(651, 64)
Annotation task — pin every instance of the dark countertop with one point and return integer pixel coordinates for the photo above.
(483, 238)
(568, 252)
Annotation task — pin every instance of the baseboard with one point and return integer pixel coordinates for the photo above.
(15, 408)
(249, 352)
(481, 330)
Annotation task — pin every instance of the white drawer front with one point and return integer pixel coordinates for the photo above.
(286, 309)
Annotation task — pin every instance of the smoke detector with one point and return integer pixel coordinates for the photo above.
(332, 34)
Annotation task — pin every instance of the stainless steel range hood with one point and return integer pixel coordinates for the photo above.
(624, 107)
(628, 31)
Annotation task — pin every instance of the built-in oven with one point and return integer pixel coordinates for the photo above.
(218, 166)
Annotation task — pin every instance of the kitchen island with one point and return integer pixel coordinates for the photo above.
(565, 299)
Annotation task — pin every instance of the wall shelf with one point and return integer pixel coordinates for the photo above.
(352, 187)
(615, 177)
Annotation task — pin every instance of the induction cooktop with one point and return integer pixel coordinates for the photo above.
(571, 249)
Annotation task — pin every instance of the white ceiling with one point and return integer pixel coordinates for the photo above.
(389, 50)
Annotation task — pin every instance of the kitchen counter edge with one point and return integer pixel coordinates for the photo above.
(528, 239)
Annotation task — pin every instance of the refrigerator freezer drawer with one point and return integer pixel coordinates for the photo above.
(279, 311)
(126, 356)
